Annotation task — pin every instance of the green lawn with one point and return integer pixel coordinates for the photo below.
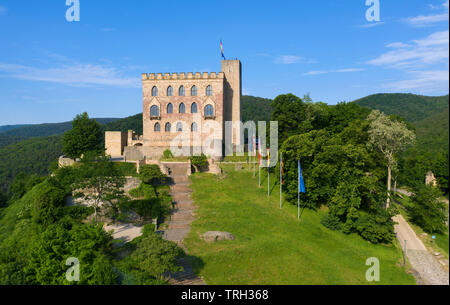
(271, 246)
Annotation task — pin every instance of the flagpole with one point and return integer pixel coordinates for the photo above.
(268, 172)
(298, 199)
(281, 177)
(254, 154)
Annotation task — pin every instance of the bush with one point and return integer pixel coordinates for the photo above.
(143, 191)
(427, 210)
(376, 228)
(199, 161)
(151, 174)
(47, 203)
(331, 222)
(167, 154)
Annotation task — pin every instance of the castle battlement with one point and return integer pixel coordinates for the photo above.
(182, 75)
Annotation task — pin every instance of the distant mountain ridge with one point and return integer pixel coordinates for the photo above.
(411, 107)
(428, 114)
(17, 133)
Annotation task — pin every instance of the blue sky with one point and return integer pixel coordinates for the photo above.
(51, 69)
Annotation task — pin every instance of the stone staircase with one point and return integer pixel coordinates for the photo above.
(180, 221)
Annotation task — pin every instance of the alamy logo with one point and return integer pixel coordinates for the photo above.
(373, 273)
(73, 273)
(373, 12)
(73, 12)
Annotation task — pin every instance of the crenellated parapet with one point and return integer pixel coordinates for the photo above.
(182, 76)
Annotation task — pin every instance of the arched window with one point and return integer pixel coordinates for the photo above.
(170, 91)
(208, 91)
(170, 108)
(181, 91)
(194, 108)
(168, 127)
(209, 111)
(157, 127)
(182, 108)
(194, 127)
(179, 127)
(194, 91)
(154, 111)
(155, 91)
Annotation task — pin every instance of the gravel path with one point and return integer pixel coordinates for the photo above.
(428, 270)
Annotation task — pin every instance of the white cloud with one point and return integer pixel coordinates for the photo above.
(73, 75)
(289, 59)
(430, 50)
(3, 10)
(429, 20)
(423, 61)
(423, 81)
(347, 70)
(422, 21)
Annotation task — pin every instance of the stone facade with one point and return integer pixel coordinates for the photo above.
(176, 115)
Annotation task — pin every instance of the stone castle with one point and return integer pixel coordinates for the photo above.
(180, 108)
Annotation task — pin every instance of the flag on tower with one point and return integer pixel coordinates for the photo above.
(221, 50)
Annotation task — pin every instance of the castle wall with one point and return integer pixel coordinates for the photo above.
(201, 81)
(232, 96)
(115, 141)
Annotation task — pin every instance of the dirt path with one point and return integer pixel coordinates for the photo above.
(428, 270)
(180, 222)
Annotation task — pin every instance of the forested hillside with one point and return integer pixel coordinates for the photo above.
(412, 107)
(10, 127)
(430, 118)
(34, 155)
(255, 109)
(13, 135)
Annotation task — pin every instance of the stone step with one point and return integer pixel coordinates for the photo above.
(180, 225)
(186, 207)
(182, 215)
(175, 234)
(180, 187)
(180, 197)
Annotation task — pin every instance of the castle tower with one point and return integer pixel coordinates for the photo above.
(232, 70)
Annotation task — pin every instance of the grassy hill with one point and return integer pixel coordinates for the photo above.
(271, 246)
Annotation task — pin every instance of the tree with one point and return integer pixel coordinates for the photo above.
(428, 211)
(99, 182)
(442, 170)
(47, 203)
(86, 135)
(154, 257)
(390, 137)
(3, 199)
(90, 244)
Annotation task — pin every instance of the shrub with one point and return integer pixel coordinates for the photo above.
(151, 174)
(331, 222)
(199, 161)
(167, 154)
(47, 203)
(376, 228)
(427, 210)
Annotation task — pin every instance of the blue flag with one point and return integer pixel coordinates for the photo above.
(301, 182)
